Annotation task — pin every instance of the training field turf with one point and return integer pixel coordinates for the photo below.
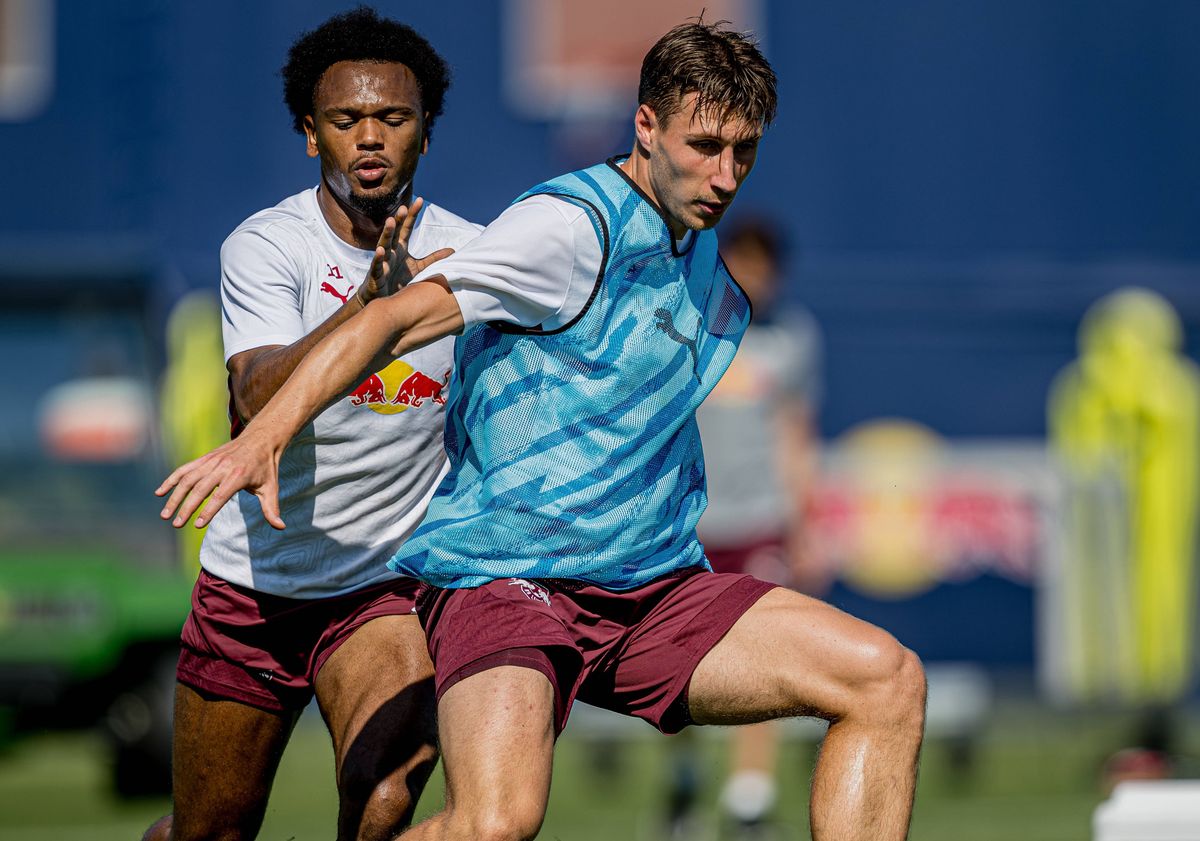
(1035, 779)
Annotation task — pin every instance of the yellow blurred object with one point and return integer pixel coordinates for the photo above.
(195, 395)
(894, 463)
(1125, 422)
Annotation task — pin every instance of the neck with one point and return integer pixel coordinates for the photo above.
(637, 167)
(351, 225)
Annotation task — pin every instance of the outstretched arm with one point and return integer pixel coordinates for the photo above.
(256, 374)
(385, 329)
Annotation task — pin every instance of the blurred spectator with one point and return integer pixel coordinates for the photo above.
(760, 448)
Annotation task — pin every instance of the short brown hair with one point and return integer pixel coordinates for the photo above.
(723, 67)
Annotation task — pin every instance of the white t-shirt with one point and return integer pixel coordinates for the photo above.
(356, 481)
(536, 265)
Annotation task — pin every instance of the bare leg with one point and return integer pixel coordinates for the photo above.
(225, 758)
(794, 655)
(497, 735)
(376, 694)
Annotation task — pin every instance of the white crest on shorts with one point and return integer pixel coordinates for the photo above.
(532, 591)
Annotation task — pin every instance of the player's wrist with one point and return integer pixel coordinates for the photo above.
(360, 298)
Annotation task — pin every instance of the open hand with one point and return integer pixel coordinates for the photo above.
(393, 266)
(241, 464)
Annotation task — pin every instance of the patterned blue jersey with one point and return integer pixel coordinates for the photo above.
(574, 453)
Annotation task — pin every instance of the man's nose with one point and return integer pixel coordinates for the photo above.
(723, 179)
(370, 134)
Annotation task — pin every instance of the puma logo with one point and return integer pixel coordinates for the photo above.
(666, 323)
(326, 287)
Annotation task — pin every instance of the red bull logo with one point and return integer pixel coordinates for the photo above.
(398, 387)
(898, 510)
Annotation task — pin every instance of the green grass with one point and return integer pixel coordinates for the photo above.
(1035, 779)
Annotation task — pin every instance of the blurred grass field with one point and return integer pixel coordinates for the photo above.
(1035, 778)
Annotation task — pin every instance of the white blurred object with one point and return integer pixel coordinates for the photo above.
(1150, 810)
(26, 58)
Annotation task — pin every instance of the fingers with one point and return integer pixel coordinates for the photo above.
(217, 497)
(268, 498)
(428, 259)
(196, 482)
(215, 477)
(181, 482)
(388, 235)
(408, 219)
(378, 264)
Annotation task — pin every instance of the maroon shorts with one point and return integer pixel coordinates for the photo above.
(629, 651)
(265, 650)
(765, 558)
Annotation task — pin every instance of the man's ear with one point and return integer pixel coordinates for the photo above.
(425, 133)
(310, 134)
(645, 126)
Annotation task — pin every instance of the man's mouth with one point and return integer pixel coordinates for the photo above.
(712, 208)
(370, 171)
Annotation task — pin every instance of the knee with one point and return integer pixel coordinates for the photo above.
(515, 822)
(379, 810)
(894, 680)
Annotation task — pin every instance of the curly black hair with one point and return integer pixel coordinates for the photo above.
(361, 35)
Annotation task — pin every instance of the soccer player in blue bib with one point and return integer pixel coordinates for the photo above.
(559, 554)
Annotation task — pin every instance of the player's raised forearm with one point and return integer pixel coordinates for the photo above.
(257, 374)
(385, 329)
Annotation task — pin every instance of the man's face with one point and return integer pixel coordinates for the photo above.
(368, 128)
(696, 165)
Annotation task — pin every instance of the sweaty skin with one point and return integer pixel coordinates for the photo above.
(799, 655)
(692, 167)
(368, 129)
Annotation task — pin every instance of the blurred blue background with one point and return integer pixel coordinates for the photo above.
(958, 180)
(961, 178)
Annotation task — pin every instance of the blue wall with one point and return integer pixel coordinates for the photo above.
(961, 179)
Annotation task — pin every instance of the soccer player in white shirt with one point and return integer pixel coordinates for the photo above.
(575, 461)
(280, 616)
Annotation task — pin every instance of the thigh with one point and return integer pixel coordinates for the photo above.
(497, 736)
(225, 757)
(505, 622)
(789, 654)
(677, 620)
(376, 694)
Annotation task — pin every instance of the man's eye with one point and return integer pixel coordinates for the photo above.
(705, 146)
(343, 124)
(396, 121)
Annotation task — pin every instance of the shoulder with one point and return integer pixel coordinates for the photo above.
(544, 215)
(276, 229)
(439, 217)
(441, 228)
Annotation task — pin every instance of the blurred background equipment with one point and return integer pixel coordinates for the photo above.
(91, 596)
(194, 396)
(1158, 811)
(1125, 427)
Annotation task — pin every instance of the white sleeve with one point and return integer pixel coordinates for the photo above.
(260, 294)
(536, 265)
